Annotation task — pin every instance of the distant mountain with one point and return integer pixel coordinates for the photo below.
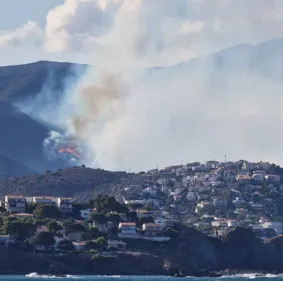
(22, 137)
(265, 58)
(19, 82)
(10, 168)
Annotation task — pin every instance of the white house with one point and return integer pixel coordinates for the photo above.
(85, 213)
(191, 196)
(127, 228)
(119, 245)
(273, 178)
(258, 177)
(149, 190)
(277, 226)
(79, 246)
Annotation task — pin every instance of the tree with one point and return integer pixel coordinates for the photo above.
(68, 222)
(148, 207)
(76, 227)
(48, 211)
(10, 219)
(269, 232)
(135, 206)
(105, 203)
(31, 207)
(114, 230)
(146, 220)
(256, 198)
(91, 245)
(116, 219)
(101, 243)
(170, 183)
(44, 238)
(19, 230)
(39, 222)
(91, 203)
(98, 218)
(66, 245)
(54, 226)
(132, 216)
(95, 232)
(171, 232)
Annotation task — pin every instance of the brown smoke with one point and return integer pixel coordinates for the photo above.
(96, 100)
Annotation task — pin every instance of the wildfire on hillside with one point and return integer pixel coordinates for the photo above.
(69, 150)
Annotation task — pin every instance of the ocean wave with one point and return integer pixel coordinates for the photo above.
(253, 275)
(36, 275)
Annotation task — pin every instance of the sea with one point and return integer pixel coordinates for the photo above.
(243, 277)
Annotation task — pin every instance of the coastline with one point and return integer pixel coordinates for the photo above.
(194, 274)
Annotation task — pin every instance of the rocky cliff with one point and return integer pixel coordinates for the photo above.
(190, 254)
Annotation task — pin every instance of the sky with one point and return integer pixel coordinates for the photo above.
(170, 31)
(11, 18)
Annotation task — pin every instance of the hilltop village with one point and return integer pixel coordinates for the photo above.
(213, 198)
(157, 206)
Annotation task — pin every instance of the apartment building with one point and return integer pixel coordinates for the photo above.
(65, 205)
(48, 200)
(15, 204)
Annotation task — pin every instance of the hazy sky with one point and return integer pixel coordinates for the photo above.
(15, 13)
(168, 31)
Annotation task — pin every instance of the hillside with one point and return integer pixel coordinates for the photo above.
(22, 138)
(265, 58)
(224, 73)
(9, 168)
(19, 82)
(78, 182)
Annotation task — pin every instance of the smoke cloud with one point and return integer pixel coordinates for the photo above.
(59, 146)
(144, 103)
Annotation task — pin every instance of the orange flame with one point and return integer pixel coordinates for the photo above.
(69, 150)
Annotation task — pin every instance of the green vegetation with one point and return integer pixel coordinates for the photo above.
(44, 238)
(18, 229)
(98, 244)
(98, 259)
(54, 226)
(66, 245)
(107, 204)
(48, 211)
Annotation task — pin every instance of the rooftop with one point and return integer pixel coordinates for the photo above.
(43, 197)
(22, 215)
(127, 223)
(151, 225)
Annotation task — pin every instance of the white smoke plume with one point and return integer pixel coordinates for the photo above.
(130, 114)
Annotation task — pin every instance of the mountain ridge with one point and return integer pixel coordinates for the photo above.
(24, 134)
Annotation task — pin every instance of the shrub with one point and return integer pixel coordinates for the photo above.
(100, 258)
